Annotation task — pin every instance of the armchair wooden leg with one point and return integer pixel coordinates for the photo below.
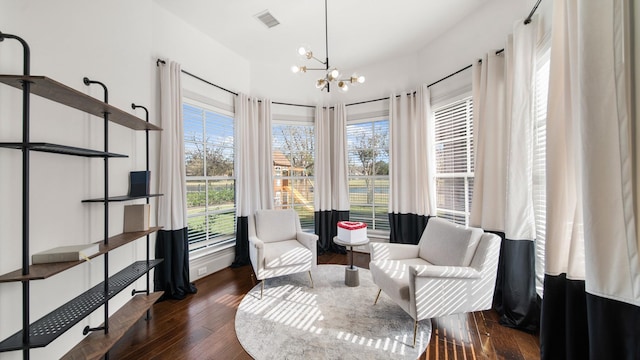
(377, 296)
(415, 331)
(310, 278)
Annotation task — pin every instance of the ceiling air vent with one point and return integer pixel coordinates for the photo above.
(266, 18)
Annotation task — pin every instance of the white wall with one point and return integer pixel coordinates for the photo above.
(465, 42)
(117, 42)
(114, 42)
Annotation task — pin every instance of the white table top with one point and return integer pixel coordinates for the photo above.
(339, 241)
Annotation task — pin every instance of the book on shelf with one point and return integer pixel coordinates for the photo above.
(65, 253)
(136, 217)
(139, 183)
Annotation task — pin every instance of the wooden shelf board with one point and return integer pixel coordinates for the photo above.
(121, 198)
(58, 92)
(97, 344)
(43, 271)
(61, 149)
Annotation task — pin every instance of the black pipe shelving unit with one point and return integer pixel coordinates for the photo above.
(49, 327)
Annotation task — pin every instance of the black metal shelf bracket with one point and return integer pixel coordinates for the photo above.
(146, 116)
(26, 92)
(88, 329)
(88, 82)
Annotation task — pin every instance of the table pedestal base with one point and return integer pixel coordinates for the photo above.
(351, 277)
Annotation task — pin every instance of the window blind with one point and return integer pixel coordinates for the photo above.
(539, 163)
(453, 131)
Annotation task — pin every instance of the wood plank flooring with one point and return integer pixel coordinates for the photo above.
(202, 326)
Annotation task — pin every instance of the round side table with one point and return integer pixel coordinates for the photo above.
(351, 277)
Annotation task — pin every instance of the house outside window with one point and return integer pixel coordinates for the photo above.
(454, 160)
(293, 169)
(368, 162)
(210, 177)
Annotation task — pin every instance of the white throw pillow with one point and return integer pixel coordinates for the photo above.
(446, 243)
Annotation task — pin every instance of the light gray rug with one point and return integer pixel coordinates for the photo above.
(329, 321)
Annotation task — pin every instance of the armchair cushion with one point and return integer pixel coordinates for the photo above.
(275, 225)
(445, 243)
(393, 276)
(286, 253)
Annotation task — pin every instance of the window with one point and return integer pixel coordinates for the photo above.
(293, 162)
(209, 166)
(454, 160)
(368, 157)
(539, 163)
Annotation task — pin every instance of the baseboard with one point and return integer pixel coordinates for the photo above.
(211, 263)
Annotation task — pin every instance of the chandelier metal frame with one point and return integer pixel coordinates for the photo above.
(331, 74)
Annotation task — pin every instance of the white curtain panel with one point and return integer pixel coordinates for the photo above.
(490, 143)
(411, 154)
(254, 170)
(331, 169)
(322, 165)
(340, 175)
(564, 248)
(520, 55)
(606, 153)
(503, 137)
(591, 230)
(172, 212)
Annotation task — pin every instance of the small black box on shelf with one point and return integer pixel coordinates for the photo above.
(139, 183)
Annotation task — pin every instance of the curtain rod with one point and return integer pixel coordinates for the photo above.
(160, 61)
(498, 52)
(533, 11)
(526, 21)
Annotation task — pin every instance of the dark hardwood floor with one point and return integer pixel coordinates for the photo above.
(202, 326)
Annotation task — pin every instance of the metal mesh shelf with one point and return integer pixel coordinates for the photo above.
(49, 327)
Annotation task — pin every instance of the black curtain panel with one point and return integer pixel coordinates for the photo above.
(242, 242)
(614, 329)
(563, 325)
(326, 227)
(515, 298)
(407, 228)
(172, 274)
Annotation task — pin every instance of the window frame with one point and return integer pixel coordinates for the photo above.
(468, 175)
(211, 244)
(306, 225)
(372, 222)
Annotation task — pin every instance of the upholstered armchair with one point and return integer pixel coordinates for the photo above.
(278, 246)
(451, 270)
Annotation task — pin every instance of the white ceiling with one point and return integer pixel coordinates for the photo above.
(360, 32)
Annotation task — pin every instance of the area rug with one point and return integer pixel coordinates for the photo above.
(329, 321)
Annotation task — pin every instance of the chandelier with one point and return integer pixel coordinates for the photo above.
(331, 74)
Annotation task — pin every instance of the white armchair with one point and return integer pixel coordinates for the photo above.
(451, 270)
(278, 246)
